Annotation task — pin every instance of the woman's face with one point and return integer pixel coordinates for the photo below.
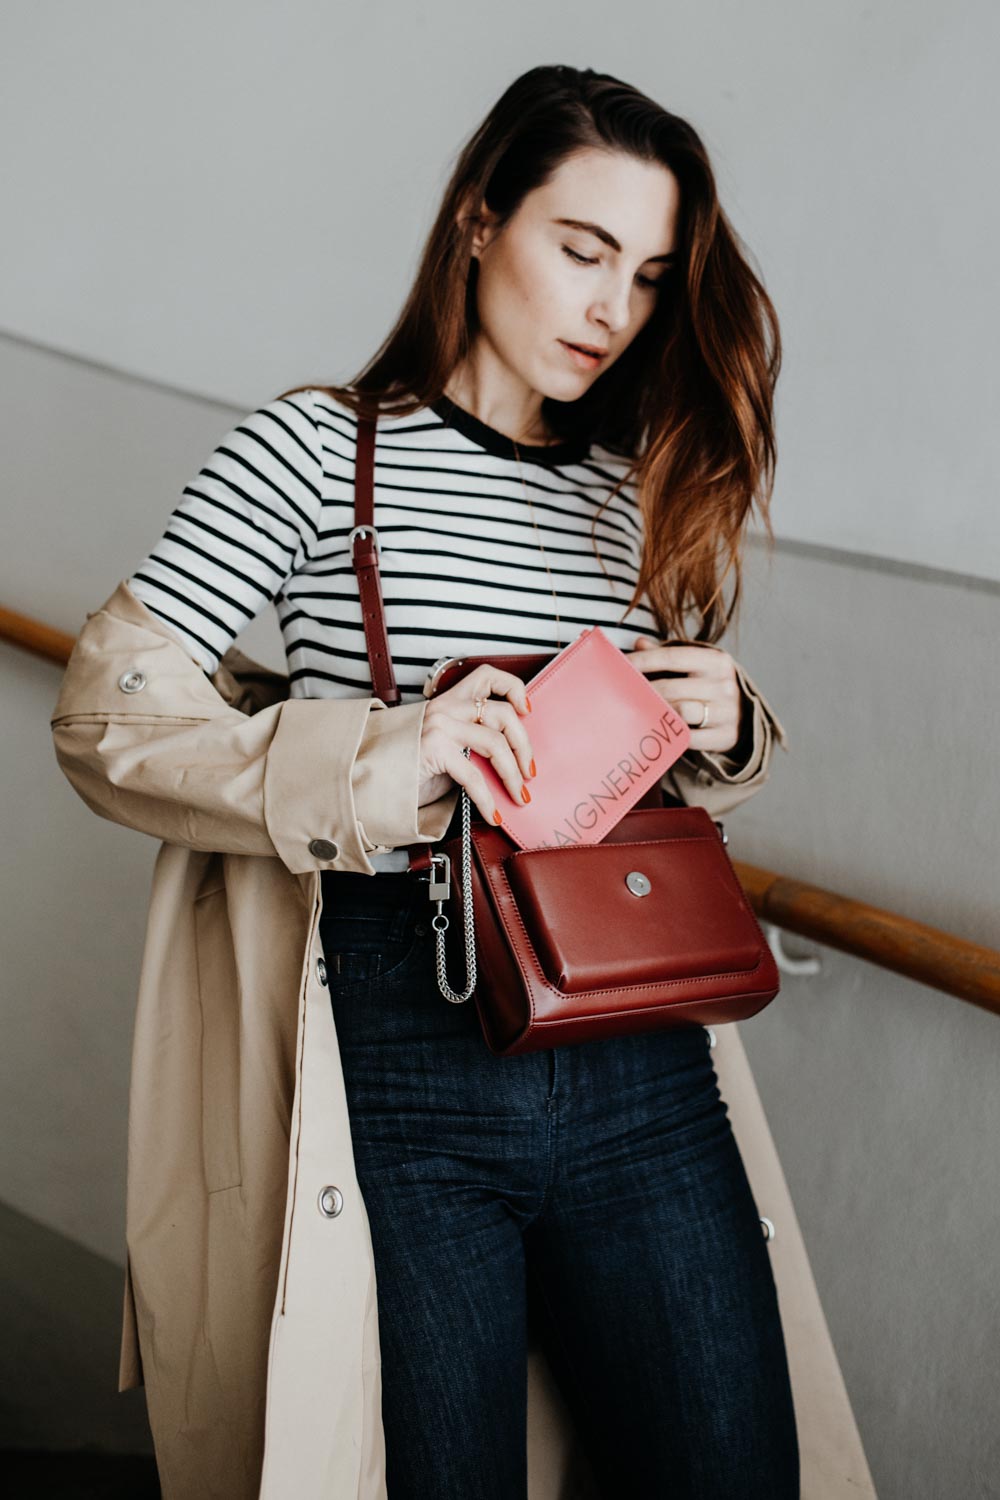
(578, 263)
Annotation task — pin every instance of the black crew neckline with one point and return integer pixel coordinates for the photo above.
(570, 450)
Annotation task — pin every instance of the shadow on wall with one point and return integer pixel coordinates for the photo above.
(64, 1427)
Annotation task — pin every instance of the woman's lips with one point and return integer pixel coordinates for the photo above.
(583, 360)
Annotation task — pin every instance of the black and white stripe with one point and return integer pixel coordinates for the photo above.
(268, 516)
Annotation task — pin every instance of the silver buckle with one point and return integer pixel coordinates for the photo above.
(360, 531)
(434, 672)
(440, 881)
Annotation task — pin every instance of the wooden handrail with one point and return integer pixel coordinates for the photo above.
(923, 953)
(927, 954)
(31, 635)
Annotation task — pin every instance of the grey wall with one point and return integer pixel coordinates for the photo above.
(210, 203)
(230, 197)
(881, 1093)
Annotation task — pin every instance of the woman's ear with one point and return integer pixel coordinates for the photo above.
(484, 219)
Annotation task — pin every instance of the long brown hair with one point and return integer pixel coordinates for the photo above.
(690, 402)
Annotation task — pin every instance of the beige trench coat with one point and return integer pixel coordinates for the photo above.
(250, 1310)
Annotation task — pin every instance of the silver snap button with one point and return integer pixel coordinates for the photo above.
(324, 848)
(711, 1037)
(638, 883)
(331, 1201)
(768, 1229)
(321, 971)
(132, 682)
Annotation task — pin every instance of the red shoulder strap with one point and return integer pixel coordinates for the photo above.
(364, 555)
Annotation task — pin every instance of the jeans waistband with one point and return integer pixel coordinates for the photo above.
(389, 888)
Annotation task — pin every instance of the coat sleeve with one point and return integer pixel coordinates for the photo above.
(148, 741)
(719, 782)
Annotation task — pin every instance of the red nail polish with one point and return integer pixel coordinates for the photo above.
(525, 794)
(497, 816)
(531, 769)
(528, 702)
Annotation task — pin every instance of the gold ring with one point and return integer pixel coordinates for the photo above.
(703, 720)
(480, 705)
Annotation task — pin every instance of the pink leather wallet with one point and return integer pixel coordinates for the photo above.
(601, 736)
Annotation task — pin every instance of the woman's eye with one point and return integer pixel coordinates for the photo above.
(580, 259)
(644, 281)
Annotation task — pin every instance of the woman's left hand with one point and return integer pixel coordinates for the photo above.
(709, 689)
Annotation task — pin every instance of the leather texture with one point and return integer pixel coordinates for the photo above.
(364, 557)
(571, 945)
(525, 665)
(566, 952)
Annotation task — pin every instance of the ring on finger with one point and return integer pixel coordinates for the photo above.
(480, 705)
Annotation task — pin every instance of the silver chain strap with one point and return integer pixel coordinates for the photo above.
(439, 891)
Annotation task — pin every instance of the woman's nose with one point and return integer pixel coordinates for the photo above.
(613, 312)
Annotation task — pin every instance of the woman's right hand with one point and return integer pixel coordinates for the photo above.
(450, 724)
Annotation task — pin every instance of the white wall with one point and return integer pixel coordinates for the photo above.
(229, 196)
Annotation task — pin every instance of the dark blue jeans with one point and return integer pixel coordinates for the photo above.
(594, 1192)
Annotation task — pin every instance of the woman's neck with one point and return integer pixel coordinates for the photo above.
(521, 421)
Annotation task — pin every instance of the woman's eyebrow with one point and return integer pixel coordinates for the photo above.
(608, 237)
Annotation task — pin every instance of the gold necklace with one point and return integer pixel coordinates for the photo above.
(538, 537)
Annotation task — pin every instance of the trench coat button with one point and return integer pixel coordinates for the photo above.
(324, 848)
(768, 1229)
(705, 778)
(331, 1201)
(321, 970)
(132, 682)
(711, 1036)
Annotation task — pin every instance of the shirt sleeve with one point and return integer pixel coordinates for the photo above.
(244, 525)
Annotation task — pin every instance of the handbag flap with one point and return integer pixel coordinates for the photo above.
(619, 913)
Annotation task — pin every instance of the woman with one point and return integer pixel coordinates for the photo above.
(575, 418)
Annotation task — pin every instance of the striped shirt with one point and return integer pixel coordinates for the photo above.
(268, 516)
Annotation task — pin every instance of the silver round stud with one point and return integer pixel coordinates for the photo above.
(331, 1201)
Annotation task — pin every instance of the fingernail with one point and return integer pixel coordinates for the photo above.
(531, 769)
(525, 794)
(528, 702)
(496, 815)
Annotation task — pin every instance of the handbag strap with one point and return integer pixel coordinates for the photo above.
(365, 547)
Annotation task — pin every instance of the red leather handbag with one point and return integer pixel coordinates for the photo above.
(649, 928)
